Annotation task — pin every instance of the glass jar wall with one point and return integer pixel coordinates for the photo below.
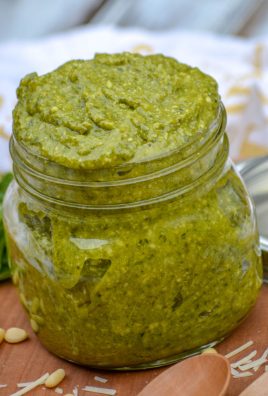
(138, 266)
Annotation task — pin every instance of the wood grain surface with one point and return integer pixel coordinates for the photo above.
(29, 360)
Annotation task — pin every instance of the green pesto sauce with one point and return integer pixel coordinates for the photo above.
(114, 109)
(129, 287)
(120, 290)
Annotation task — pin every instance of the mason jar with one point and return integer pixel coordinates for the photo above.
(139, 265)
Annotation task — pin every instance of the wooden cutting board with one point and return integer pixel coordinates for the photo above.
(29, 360)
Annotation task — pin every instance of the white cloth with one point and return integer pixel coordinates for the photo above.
(239, 65)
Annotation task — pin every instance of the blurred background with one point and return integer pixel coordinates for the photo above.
(21, 19)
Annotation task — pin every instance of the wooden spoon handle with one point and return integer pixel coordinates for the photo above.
(258, 387)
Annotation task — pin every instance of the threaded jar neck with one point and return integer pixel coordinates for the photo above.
(161, 178)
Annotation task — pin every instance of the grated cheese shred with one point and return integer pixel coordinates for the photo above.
(248, 366)
(239, 349)
(34, 384)
(100, 379)
(102, 391)
(24, 384)
(244, 374)
(234, 372)
(264, 355)
(245, 359)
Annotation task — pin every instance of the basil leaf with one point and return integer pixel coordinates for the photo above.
(4, 269)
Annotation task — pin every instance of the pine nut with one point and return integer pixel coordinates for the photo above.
(24, 301)
(42, 306)
(2, 334)
(15, 278)
(15, 335)
(55, 378)
(35, 305)
(38, 319)
(209, 350)
(34, 326)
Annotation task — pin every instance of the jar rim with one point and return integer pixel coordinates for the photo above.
(18, 151)
(175, 174)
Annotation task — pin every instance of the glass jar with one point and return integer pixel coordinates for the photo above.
(136, 266)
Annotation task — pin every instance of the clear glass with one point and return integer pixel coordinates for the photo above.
(255, 174)
(138, 266)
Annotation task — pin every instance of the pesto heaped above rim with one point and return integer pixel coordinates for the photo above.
(113, 109)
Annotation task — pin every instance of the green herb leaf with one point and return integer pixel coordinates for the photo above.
(4, 269)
